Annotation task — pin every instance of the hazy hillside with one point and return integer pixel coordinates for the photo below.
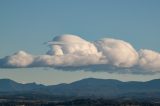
(89, 87)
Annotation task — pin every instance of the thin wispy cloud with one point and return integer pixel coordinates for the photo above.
(70, 52)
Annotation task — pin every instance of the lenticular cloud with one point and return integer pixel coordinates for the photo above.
(71, 44)
(70, 52)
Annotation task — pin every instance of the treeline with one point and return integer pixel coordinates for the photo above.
(83, 102)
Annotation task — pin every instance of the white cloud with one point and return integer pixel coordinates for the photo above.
(149, 60)
(19, 59)
(71, 51)
(71, 44)
(117, 52)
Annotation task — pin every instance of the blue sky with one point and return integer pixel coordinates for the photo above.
(27, 24)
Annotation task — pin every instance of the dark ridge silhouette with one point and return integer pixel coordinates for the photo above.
(89, 87)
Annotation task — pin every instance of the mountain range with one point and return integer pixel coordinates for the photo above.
(90, 87)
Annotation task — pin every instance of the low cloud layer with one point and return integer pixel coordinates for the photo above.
(70, 52)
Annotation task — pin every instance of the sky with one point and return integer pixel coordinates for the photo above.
(27, 24)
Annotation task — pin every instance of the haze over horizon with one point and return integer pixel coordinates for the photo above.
(27, 25)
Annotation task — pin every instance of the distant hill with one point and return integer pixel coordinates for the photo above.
(7, 85)
(89, 87)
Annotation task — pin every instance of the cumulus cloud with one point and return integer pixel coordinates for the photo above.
(117, 52)
(71, 44)
(70, 52)
(149, 60)
(19, 59)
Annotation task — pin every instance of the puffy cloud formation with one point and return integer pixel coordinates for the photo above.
(149, 60)
(71, 44)
(19, 59)
(64, 60)
(117, 52)
(70, 52)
